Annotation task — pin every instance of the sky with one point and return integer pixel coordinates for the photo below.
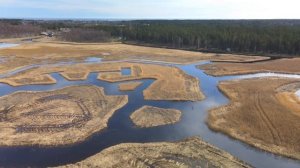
(151, 9)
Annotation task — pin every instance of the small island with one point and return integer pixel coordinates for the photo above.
(149, 116)
(53, 118)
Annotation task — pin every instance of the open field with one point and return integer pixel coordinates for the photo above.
(129, 86)
(281, 66)
(191, 152)
(149, 116)
(263, 113)
(171, 82)
(60, 117)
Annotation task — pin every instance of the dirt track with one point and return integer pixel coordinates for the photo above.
(261, 113)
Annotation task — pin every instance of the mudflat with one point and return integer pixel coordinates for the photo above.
(192, 152)
(60, 117)
(149, 116)
(280, 66)
(263, 112)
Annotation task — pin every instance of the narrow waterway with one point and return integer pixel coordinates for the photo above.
(121, 129)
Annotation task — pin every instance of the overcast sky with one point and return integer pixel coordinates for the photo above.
(151, 9)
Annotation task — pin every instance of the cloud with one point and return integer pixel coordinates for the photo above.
(193, 9)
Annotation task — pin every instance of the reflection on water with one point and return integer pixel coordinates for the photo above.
(121, 129)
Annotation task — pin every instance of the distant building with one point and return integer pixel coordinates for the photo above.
(49, 34)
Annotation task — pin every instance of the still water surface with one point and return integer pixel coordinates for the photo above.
(121, 129)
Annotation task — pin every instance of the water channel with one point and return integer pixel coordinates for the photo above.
(122, 130)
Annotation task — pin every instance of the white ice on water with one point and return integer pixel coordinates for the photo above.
(7, 45)
(298, 94)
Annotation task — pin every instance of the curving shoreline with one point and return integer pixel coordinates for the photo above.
(268, 154)
(171, 83)
(191, 152)
(149, 116)
(55, 118)
(255, 114)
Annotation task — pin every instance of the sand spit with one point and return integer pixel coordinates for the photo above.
(149, 116)
(263, 112)
(53, 118)
(191, 152)
(129, 86)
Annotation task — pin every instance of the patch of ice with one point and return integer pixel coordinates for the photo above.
(7, 45)
(260, 75)
(298, 94)
(93, 60)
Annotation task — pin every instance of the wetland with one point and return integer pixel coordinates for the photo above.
(163, 85)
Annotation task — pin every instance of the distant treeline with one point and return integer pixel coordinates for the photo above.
(256, 37)
(86, 35)
(270, 37)
(15, 28)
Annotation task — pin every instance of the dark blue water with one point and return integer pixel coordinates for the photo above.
(121, 129)
(126, 71)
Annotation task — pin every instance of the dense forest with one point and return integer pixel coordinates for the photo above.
(270, 37)
(86, 35)
(257, 37)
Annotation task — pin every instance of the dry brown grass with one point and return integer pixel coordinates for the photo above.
(260, 114)
(171, 82)
(56, 51)
(281, 66)
(149, 116)
(53, 118)
(191, 152)
(129, 86)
